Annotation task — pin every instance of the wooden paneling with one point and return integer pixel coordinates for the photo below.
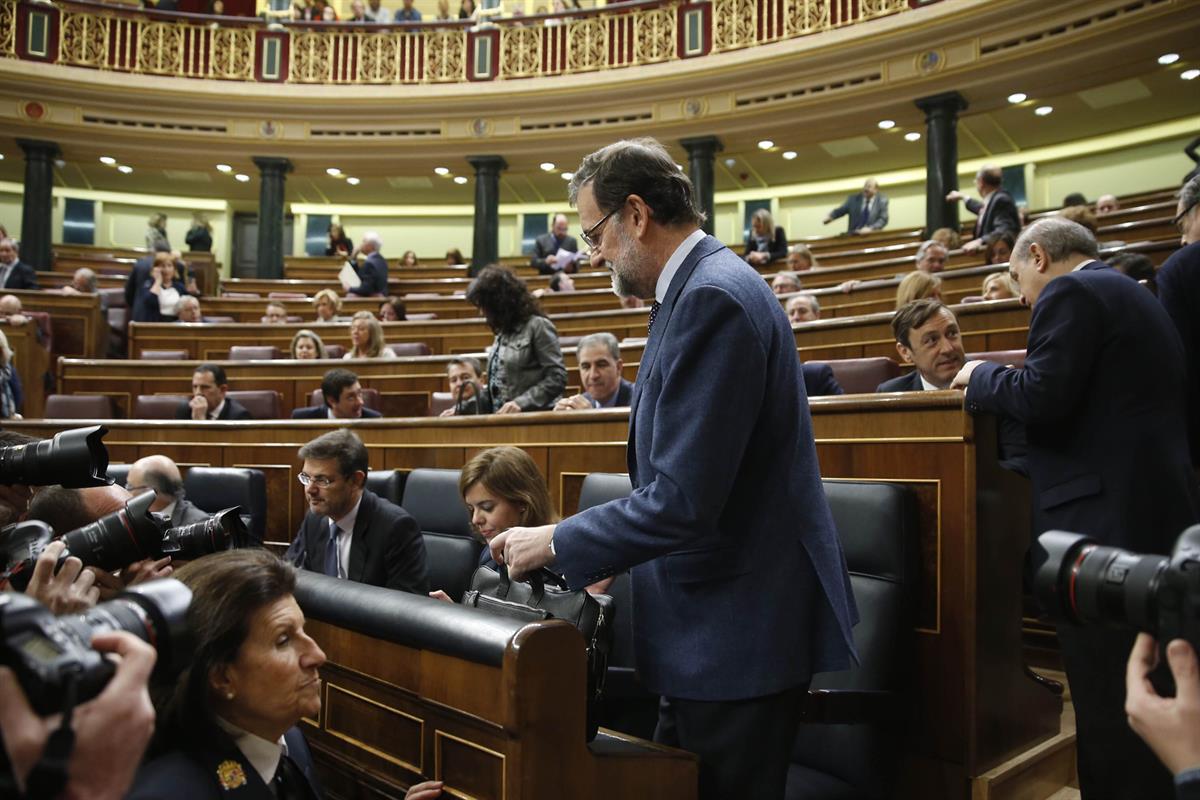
(77, 322)
(32, 361)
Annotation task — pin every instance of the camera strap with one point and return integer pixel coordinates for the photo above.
(48, 777)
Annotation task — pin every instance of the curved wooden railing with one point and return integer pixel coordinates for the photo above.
(93, 35)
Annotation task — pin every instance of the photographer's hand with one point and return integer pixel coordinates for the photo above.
(1170, 725)
(71, 590)
(14, 498)
(147, 570)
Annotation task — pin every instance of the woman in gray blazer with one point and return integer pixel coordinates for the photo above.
(525, 366)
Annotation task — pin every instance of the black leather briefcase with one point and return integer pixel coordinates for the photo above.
(592, 614)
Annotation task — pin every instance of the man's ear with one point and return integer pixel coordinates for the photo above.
(639, 218)
(1038, 255)
(359, 479)
(904, 352)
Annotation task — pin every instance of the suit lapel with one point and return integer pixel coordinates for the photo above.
(234, 775)
(358, 540)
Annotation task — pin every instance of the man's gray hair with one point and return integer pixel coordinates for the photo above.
(11, 243)
(926, 245)
(642, 167)
(790, 277)
(373, 238)
(816, 304)
(601, 340)
(88, 276)
(1059, 237)
(1189, 195)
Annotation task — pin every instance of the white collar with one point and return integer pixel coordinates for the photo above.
(169, 510)
(1083, 264)
(346, 523)
(216, 412)
(675, 261)
(263, 755)
(927, 386)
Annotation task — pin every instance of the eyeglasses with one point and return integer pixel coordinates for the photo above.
(321, 481)
(1178, 220)
(589, 235)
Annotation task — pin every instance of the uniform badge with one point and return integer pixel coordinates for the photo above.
(231, 775)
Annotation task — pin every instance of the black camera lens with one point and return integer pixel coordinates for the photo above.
(76, 459)
(118, 539)
(224, 530)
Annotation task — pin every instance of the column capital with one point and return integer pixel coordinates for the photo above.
(702, 146)
(944, 103)
(37, 148)
(272, 164)
(487, 164)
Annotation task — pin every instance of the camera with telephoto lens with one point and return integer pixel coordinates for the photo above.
(116, 540)
(76, 459)
(50, 653)
(1078, 580)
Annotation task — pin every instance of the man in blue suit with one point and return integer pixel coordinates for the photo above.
(740, 589)
(373, 271)
(865, 211)
(343, 396)
(1102, 397)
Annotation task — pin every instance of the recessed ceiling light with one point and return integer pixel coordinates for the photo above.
(788, 155)
(460, 179)
(912, 136)
(547, 166)
(1168, 58)
(125, 169)
(731, 162)
(765, 144)
(108, 160)
(1018, 97)
(334, 171)
(886, 124)
(1190, 74)
(1, 156)
(1044, 111)
(352, 181)
(442, 170)
(242, 177)
(220, 167)
(566, 176)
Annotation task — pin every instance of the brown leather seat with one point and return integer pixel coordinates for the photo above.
(439, 402)
(253, 352)
(78, 406)
(334, 351)
(409, 349)
(862, 375)
(370, 398)
(157, 406)
(1012, 358)
(163, 355)
(261, 403)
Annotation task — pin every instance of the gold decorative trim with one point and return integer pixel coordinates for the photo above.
(418, 768)
(438, 736)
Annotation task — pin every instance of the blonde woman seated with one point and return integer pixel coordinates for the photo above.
(327, 305)
(307, 344)
(366, 338)
(502, 488)
(918, 286)
(1000, 286)
(801, 259)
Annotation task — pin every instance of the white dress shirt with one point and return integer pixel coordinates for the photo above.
(263, 755)
(675, 262)
(345, 527)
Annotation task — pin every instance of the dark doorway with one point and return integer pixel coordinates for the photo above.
(245, 244)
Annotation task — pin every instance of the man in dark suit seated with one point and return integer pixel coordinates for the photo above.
(161, 474)
(1102, 395)
(343, 398)
(803, 307)
(927, 337)
(209, 386)
(14, 273)
(546, 247)
(996, 210)
(819, 380)
(600, 368)
(373, 270)
(351, 533)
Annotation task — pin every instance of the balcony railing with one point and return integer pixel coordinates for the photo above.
(93, 35)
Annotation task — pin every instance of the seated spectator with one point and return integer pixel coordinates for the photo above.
(358, 12)
(600, 364)
(158, 298)
(1136, 265)
(785, 283)
(366, 337)
(918, 286)
(927, 337)
(1107, 204)
(801, 259)
(999, 249)
(377, 13)
(454, 257)
(947, 237)
(327, 305)
(199, 236)
(525, 366)
(393, 310)
(819, 380)
(306, 344)
(11, 395)
(1074, 199)
(188, 309)
(373, 541)
(466, 9)
(343, 396)
(339, 243)
(1082, 215)
(464, 376)
(767, 241)
(931, 256)
(561, 282)
(276, 314)
(11, 310)
(443, 11)
(1000, 286)
(409, 259)
(803, 307)
(209, 387)
(82, 282)
(407, 13)
(161, 474)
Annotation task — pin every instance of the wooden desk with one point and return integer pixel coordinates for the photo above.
(32, 360)
(57, 280)
(77, 322)
(115, 260)
(400, 284)
(972, 706)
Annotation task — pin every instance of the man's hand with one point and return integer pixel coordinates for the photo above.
(449, 412)
(955, 196)
(438, 594)
(574, 403)
(827, 220)
(111, 731)
(1170, 725)
(973, 246)
(524, 550)
(552, 260)
(963, 379)
(71, 590)
(147, 570)
(509, 408)
(199, 406)
(428, 790)
(849, 286)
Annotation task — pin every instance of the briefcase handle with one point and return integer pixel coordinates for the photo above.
(536, 580)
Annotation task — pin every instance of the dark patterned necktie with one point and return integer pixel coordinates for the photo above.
(653, 313)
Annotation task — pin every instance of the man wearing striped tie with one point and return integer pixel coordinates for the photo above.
(351, 533)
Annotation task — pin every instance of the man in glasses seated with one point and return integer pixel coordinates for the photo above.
(350, 533)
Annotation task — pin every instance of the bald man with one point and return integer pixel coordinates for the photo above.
(162, 475)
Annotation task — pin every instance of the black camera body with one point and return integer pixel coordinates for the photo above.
(49, 653)
(1079, 581)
